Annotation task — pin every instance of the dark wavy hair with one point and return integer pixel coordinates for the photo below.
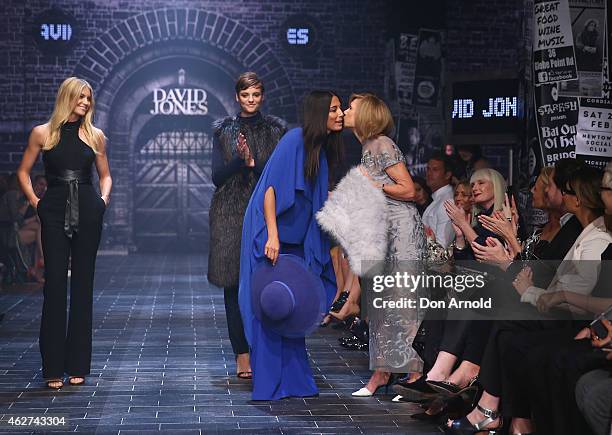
(314, 125)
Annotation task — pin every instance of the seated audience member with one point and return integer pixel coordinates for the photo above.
(580, 267)
(422, 194)
(463, 197)
(552, 242)
(462, 342)
(435, 218)
(514, 345)
(488, 192)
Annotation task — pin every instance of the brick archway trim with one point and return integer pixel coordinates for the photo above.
(212, 29)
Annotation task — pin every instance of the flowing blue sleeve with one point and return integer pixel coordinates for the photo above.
(284, 172)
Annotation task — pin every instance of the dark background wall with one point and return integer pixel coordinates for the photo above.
(116, 40)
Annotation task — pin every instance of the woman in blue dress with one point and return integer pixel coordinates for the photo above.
(280, 219)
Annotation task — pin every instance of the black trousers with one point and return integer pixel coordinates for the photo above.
(68, 349)
(504, 365)
(466, 339)
(553, 372)
(234, 321)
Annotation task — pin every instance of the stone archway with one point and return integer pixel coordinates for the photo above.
(123, 67)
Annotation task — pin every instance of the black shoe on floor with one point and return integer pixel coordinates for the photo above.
(414, 391)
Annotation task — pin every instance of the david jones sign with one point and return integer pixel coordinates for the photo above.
(180, 100)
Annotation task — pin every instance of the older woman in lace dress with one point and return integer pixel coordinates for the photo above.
(391, 330)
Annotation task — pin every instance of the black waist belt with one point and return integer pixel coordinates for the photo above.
(72, 179)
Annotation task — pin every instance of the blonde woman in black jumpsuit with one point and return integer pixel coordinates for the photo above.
(71, 222)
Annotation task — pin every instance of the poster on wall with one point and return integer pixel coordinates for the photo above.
(594, 136)
(405, 60)
(589, 30)
(553, 47)
(408, 138)
(428, 69)
(556, 118)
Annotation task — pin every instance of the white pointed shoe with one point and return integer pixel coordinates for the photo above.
(363, 392)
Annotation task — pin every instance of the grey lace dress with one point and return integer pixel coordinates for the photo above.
(393, 330)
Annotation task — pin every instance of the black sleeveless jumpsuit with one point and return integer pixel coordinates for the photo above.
(71, 223)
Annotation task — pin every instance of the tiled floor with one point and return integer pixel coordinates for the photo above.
(162, 362)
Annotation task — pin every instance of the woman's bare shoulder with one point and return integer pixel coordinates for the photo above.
(41, 129)
(40, 133)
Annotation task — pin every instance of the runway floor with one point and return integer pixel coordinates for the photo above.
(162, 361)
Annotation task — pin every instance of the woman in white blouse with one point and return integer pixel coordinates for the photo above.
(580, 268)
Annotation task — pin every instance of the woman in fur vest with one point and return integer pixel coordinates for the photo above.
(242, 145)
(392, 331)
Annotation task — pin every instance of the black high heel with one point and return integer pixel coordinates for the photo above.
(449, 389)
(464, 427)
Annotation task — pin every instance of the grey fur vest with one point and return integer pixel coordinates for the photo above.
(229, 202)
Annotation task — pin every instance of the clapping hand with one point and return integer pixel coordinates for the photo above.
(493, 251)
(504, 222)
(244, 151)
(523, 280)
(456, 214)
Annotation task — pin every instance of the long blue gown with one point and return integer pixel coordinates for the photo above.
(280, 364)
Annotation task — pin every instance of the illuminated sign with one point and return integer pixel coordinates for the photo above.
(54, 31)
(502, 107)
(489, 111)
(299, 35)
(180, 100)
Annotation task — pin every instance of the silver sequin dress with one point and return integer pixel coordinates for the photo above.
(393, 330)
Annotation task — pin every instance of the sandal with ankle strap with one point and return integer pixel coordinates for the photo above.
(465, 427)
(450, 389)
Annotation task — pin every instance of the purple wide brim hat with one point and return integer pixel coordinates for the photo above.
(287, 298)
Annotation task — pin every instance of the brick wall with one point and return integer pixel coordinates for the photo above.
(485, 36)
(481, 35)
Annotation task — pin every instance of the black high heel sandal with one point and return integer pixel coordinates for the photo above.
(464, 427)
(449, 389)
